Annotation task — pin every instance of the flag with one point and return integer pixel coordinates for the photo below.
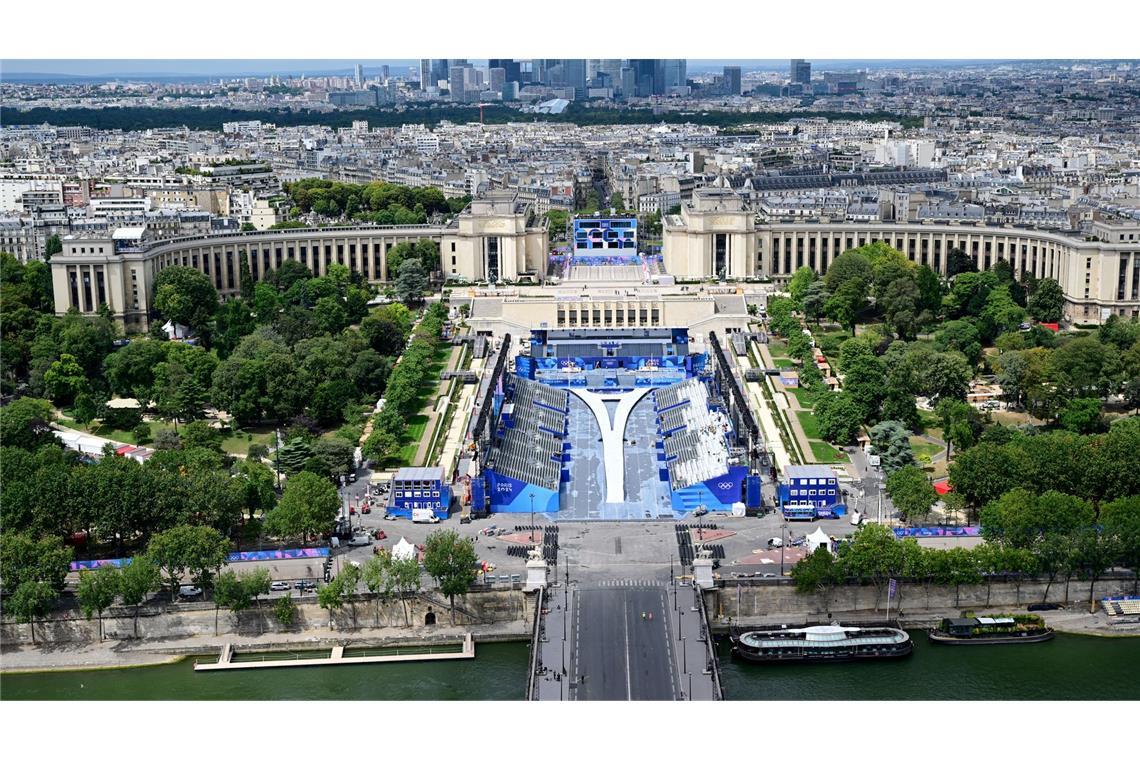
(893, 588)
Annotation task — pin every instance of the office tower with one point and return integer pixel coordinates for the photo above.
(510, 91)
(574, 75)
(455, 82)
(425, 74)
(497, 78)
(643, 74)
(359, 76)
(384, 73)
(628, 81)
(441, 69)
(669, 72)
(800, 71)
(511, 67)
(732, 80)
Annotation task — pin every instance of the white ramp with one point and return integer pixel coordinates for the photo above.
(613, 452)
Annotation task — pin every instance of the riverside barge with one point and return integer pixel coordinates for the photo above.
(1021, 629)
(822, 643)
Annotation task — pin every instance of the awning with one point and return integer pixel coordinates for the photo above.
(943, 487)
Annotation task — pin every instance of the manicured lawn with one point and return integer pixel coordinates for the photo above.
(826, 453)
(777, 348)
(239, 444)
(782, 363)
(923, 448)
(415, 431)
(804, 396)
(809, 424)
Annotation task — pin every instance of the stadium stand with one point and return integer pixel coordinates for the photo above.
(694, 435)
(531, 449)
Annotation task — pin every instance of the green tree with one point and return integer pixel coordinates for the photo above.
(865, 379)
(30, 601)
(891, 442)
(1082, 415)
(960, 336)
(450, 560)
(1047, 302)
(900, 306)
(308, 506)
(53, 246)
(911, 492)
(1096, 551)
(411, 283)
(65, 380)
(1121, 517)
(330, 596)
(97, 591)
(617, 202)
(815, 300)
(24, 559)
(380, 445)
(798, 285)
(847, 301)
(193, 550)
(817, 573)
(285, 610)
(848, 266)
(185, 296)
(839, 417)
(138, 578)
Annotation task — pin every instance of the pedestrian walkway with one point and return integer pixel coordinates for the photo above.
(437, 412)
(768, 426)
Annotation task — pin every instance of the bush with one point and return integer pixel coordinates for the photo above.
(141, 433)
(119, 418)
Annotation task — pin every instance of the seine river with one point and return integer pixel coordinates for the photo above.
(1069, 667)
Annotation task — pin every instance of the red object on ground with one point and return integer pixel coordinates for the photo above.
(821, 359)
(124, 449)
(1051, 326)
(943, 487)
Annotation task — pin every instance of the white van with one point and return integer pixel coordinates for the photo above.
(856, 517)
(424, 516)
(360, 539)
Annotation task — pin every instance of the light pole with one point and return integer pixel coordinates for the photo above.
(783, 532)
(532, 518)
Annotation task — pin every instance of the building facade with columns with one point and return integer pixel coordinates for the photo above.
(1099, 272)
(490, 237)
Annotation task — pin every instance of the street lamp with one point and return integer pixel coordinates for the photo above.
(783, 532)
(532, 518)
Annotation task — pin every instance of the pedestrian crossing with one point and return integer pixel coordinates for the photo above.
(630, 582)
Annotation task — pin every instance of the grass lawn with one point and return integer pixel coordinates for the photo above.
(238, 444)
(923, 449)
(804, 396)
(826, 453)
(783, 363)
(777, 349)
(415, 431)
(809, 424)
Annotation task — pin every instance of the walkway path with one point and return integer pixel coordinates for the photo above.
(435, 415)
(613, 449)
(788, 405)
(768, 424)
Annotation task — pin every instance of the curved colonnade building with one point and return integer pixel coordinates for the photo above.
(498, 237)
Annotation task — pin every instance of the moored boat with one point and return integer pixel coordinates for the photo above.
(1020, 629)
(822, 643)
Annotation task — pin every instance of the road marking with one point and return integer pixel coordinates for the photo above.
(625, 617)
(665, 624)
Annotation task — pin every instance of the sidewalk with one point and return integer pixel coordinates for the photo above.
(434, 416)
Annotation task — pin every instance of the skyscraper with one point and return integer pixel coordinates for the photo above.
(455, 83)
(574, 75)
(511, 67)
(732, 80)
(800, 71)
(425, 74)
(673, 73)
(440, 69)
(643, 77)
(497, 77)
(628, 81)
(359, 76)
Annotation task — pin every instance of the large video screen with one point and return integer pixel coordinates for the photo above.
(605, 234)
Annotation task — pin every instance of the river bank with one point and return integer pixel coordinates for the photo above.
(27, 658)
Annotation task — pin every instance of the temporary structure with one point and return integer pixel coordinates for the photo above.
(403, 550)
(818, 539)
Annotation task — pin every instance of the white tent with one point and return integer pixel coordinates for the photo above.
(818, 539)
(403, 550)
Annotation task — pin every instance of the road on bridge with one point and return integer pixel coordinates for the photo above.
(622, 644)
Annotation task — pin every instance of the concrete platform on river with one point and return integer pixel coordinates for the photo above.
(336, 657)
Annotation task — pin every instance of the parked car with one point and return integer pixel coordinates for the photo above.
(352, 477)
(279, 586)
(189, 592)
(388, 516)
(305, 585)
(700, 511)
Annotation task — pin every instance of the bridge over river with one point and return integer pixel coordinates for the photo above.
(622, 640)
